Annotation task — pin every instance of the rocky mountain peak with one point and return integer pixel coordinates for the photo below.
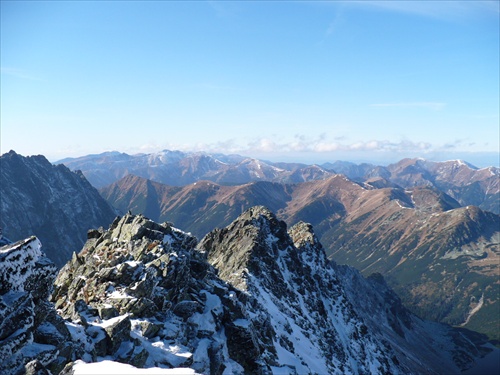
(135, 227)
(248, 244)
(307, 244)
(288, 273)
(141, 293)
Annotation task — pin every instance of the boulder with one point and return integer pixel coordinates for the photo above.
(118, 331)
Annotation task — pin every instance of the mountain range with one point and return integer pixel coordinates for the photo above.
(255, 297)
(464, 182)
(441, 258)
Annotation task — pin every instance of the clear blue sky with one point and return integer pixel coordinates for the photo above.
(305, 81)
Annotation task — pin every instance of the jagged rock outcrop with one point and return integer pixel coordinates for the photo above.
(32, 335)
(51, 202)
(142, 294)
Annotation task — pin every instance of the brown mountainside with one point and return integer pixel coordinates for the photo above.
(199, 207)
(462, 181)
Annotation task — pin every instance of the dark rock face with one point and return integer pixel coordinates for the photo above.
(55, 204)
(33, 338)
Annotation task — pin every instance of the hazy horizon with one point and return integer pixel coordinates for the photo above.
(479, 160)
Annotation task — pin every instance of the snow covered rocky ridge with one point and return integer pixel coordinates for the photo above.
(253, 297)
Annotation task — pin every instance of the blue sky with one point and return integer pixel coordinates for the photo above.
(306, 81)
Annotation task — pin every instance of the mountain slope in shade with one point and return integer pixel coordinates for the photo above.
(419, 237)
(443, 261)
(57, 205)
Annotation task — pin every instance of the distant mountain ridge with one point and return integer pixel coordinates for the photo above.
(466, 183)
(50, 201)
(417, 231)
(178, 168)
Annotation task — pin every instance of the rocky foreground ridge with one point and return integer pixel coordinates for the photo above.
(254, 297)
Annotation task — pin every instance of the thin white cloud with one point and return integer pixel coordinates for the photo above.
(336, 22)
(224, 9)
(18, 73)
(302, 145)
(435, 9)
(428, 105)
(320, 145)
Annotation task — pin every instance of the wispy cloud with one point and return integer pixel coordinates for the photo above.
(428, 105)
(302, 144)
(336, 21)
(319, 145)
(458, 144)
(435, 9)
(18, 73)
(224, 9)
(211, 86)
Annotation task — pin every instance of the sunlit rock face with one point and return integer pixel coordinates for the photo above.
(144, 295)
